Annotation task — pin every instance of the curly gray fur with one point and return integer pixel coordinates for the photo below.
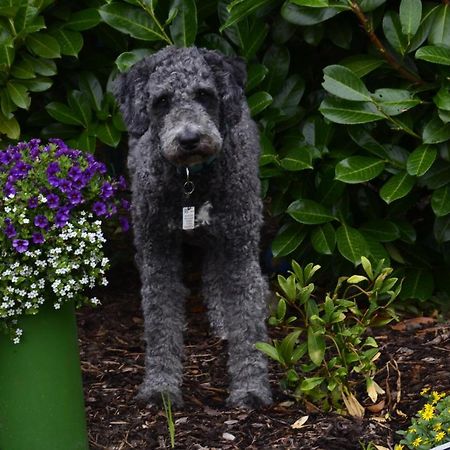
(182, 106)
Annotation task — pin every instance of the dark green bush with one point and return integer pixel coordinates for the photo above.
(352, 98)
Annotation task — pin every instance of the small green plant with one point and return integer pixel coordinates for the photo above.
(336, 354)
(431, 426)
(169, 417)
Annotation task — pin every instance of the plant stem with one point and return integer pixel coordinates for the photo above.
(366, 24)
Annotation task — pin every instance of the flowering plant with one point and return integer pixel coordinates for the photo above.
(431, 426)
(53, 200)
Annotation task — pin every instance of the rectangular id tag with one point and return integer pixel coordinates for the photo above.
(188, 217)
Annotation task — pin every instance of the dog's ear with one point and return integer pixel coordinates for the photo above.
(230, 76)
(132, 95)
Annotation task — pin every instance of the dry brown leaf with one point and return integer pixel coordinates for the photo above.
(300, 423)
(413, 324)
(378, 407)
(354, 408)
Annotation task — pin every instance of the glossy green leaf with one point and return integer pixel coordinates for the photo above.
(23, 70)
(323, 239)
(85, 142)
(351, 244)
(42, 44)
(269, 350)
(183, 28)
(410, 16)
(393, 31)
(437, 176)
(125, 60)
(288, 238)
(441, 229)
(437, 54)
(440, 201)
(361, 136)
(256, 74)
(370, 5)
(316, 346)
(397, 187)
(421, 159)
(108, 134)
(18, 94)
(305, 16)
(258, 102)
(80, 106)
(277, 61)
(311, 3)
(436, 131)
(381, 229)
(290, 94)
(83, 20)
(309, 212)
(343, 83)
(395, 101)
(442, 98)
(38, 84)
(130, 20)
(418, 284)
(7, 54)
(299, 158)
(440, 30)
(349, 113)
(70, 42)
(63, 113)
(308, 384)
(362, 65)
(240, 10)
(358, 169)
(42, 66)
(9, 127)
(91, 87)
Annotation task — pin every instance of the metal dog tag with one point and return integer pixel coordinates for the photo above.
(188, 217)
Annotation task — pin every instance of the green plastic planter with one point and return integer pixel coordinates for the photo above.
(41, 393)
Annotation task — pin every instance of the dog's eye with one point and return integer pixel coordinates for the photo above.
(161, 102)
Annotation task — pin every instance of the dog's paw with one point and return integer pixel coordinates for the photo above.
(250, 398)
(153, 395)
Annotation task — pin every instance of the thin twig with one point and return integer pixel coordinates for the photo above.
(366, 24)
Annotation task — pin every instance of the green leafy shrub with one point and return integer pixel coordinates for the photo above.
(431, 426)
(352, 98)
(336, 354)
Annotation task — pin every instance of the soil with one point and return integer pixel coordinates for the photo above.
(416, 354)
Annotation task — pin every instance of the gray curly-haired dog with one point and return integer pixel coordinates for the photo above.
(186, 108)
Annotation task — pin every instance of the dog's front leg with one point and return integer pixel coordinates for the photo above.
(163, 297)
(240, 291)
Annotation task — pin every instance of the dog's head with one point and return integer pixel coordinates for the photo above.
(188, 97)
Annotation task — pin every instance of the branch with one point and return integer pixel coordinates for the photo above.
(405, 73)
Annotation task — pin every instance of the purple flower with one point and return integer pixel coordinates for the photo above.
(9, 190)
(75, 173)
(5, 158)
(52, 201)
(125, 204)
(65, 185)
(121, 183)
(19, 171)
(53, 180)
(20, 245)
(9, 229)
(125, 225)
(74, 197)
(41, 221)
(53, 168)
(99, 208)
(37, 238)
(62, 216)
(106, 191)
(33, 202)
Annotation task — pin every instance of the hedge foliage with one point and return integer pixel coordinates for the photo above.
(352, 98)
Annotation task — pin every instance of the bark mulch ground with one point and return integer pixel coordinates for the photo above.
(415, 356)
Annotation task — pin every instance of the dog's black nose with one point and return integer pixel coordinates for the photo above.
(188, 139)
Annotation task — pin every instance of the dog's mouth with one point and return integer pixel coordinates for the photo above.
(186, 157)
